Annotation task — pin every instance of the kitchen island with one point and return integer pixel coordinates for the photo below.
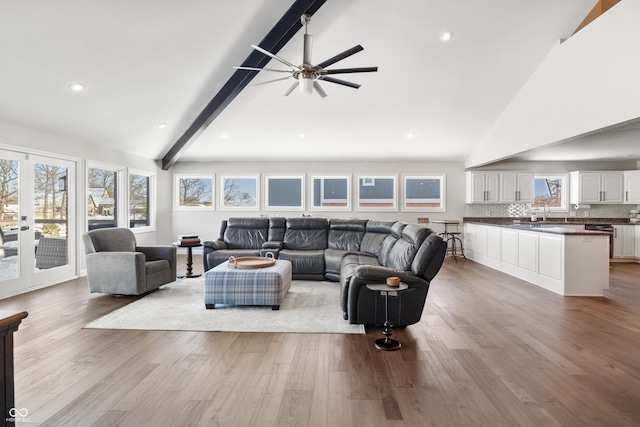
(562, 258)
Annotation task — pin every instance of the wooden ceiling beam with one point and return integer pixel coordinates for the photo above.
(277, 37)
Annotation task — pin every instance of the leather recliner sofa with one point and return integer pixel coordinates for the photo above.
(352, 251)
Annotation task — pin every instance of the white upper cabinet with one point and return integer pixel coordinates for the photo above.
(516, 187)
(595, 187)
(482, 187)
(632, 187)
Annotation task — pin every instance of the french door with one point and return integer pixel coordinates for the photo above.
(37, 221)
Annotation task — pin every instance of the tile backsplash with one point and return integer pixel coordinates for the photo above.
(515, 210)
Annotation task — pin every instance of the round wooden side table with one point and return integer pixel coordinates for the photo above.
(189, 247)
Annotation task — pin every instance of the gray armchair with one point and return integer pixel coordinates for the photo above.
(116, 265)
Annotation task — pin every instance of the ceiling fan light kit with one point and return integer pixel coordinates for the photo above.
(308, 75)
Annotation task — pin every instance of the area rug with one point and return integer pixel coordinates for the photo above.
(309, 307)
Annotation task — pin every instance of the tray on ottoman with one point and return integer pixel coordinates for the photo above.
(225, 284)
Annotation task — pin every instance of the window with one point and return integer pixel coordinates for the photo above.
(424, 193)
(141, 199)
(102, 197)
(239, 193)
(550, 191)
(331, 193)
(194, 192)
(284, 193)
(377, 193)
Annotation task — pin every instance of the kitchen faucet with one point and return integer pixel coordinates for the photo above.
(545, 212)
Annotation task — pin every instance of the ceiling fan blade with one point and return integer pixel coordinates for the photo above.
(271, 81)
(291, 89)
(306, 51)
(319, 89)
(352, 70)
(262, 69)
(340, 82)
(277, 58)
(340, 56)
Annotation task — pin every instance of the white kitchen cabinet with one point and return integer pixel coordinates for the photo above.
(624, 241)
(637, 231)
(566, 264)
(595, 187)
(632, 187)
(516, 187)
(528, 251)
(509, 245)
(482, 187)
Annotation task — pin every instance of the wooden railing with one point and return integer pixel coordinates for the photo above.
(9, 322)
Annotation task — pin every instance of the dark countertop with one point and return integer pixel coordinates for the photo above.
(544, 226)
(496, 220)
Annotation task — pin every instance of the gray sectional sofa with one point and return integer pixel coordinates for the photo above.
(353, 252)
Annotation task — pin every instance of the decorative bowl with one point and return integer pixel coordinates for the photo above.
(393, 281)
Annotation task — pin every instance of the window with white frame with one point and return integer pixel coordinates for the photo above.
(103, 196)
(552, 191)
(141, 199)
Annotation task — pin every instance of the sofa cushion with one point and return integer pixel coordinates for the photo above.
(429, 257)
(403, 251)
(246, 233)
(376, 232)
(304, 262)
(306, 234)
(277, 226)
(333, 260)
(112, 240)
(346, 234)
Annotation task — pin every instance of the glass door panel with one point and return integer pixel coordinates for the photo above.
(38, 247)
(9, 216)
(50, 212)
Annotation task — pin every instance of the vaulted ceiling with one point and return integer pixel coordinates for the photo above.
(147, 63)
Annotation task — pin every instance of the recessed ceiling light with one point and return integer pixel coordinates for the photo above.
(162, 125)
(77, 87)
(301, 135)
(224, 135)
(446, 36)
(411, 134)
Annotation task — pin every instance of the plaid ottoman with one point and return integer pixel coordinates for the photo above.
(257, 286)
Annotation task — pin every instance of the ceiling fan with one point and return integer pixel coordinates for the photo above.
(306, 74)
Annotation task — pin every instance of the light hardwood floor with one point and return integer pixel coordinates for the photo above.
(490, 350)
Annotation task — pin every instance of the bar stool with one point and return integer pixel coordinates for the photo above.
(451, 235)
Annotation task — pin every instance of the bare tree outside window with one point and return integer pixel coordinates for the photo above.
(548, 191)
(50, 200)
(139, 201)
(239, 193)
(9, 193)
(195, 192)
(102, 203)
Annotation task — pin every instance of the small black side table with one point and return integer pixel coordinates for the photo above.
(190, 247)
(387, 343)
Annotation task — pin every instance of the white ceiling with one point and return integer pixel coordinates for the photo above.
(146, 62)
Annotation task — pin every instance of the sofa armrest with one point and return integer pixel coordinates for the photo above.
(214, 244)
(379, 274)
(272, 244)
(366, 274)
(154, 253)
(116, 272)
(161, 252)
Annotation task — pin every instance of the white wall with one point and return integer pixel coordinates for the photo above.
(587, 83)
(207, 224)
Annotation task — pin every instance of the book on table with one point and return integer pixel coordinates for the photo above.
(187, 242)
